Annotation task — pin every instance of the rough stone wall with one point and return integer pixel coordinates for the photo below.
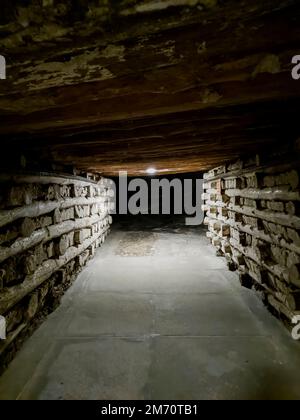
(253, 219)
(50, 226)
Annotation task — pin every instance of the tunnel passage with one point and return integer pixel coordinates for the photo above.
(50, 226)
(150, 90)
(156, 314)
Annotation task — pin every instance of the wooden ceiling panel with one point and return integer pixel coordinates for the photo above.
(182, 85)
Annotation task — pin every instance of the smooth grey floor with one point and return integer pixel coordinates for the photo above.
(156, 315)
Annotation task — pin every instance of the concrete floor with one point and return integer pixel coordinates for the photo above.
(156, 315)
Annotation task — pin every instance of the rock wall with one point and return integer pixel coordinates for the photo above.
(253, 218)
(50, 226)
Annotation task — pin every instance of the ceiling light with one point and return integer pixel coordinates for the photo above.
(151, 171)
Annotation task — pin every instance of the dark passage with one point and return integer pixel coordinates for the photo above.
(119, 278)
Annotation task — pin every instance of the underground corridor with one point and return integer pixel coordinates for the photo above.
(156, 315)
(149, 200)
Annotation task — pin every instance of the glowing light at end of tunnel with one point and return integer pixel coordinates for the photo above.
(151, 171)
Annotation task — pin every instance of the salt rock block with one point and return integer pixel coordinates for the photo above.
(33, 305)
(294, 275)
(2, 328)
(27, 227)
